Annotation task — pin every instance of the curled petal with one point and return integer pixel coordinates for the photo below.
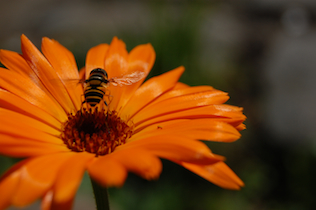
(37, 177)
(107, 172)
(140, 162)
(69, 177)
(49, 204)
(9, 183)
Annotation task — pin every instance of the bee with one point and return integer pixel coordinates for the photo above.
(98, 82)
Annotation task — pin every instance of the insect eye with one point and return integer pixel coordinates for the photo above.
(99, 71)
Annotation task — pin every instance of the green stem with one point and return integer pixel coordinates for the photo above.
(101, 196)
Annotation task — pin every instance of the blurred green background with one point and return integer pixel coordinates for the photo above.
(262, 52)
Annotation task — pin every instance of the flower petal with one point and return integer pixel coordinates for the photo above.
(96, 58)
(37, 176)
(63, 61)
(116, 66)
(25, 88)
(180, 103)
(116, 58)
(8, 184)
(49, 204)
(183, 90)
(181, 85)
(139, 161)
(19, 121)
(200, 129)
(107, 172)
(15, 62)
(175, 148)
(140, 59)
(10, 127)
(14, 103)
(222, 112)
(150, 90)
(7, 189)
(47, 200)
(69, 177)
(46, 73)
(218, 173)
(15, 146)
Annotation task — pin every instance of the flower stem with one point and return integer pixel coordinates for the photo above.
(100, 195)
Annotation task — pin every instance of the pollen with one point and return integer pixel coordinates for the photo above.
(98, 132)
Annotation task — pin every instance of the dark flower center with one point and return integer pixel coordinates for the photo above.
(98, 132)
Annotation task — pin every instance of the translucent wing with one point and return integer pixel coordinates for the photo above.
(127, 79)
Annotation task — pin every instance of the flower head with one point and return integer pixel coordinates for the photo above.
(50, 120)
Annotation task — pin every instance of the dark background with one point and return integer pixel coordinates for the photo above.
(262, 52)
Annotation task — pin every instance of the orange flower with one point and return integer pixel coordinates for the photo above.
(43, 119)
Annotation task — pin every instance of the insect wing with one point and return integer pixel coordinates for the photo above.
(127, 79)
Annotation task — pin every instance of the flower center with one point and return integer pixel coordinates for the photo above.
(97, 132)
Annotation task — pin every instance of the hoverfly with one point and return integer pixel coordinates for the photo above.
(98, 82)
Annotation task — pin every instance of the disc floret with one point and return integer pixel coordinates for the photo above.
(98, 132)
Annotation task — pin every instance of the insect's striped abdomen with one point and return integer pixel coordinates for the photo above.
(93, 95)
(95, 87)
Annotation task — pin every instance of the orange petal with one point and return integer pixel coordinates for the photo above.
(176, 148)
(63, 61)
(116, 66)
(7, 189)
(221, 112)
(116, 58)
(218, 173)
(241, 127)
(9, 183)
(37, 178)
(140, 59)
(49, 204)
(29, 91)
(46, 73)
(22, 123)
(107, 172)
(200, 129)
(82, 74)
(15, 146)
(47, 200)
(69, 177)
(22, 130)
(139, 161)
(16, 104)
(181, 85)
(150, 90)
(180, 103)
(96, 58)
(15, 62)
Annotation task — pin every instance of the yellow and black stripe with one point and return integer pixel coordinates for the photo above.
(95, 87)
